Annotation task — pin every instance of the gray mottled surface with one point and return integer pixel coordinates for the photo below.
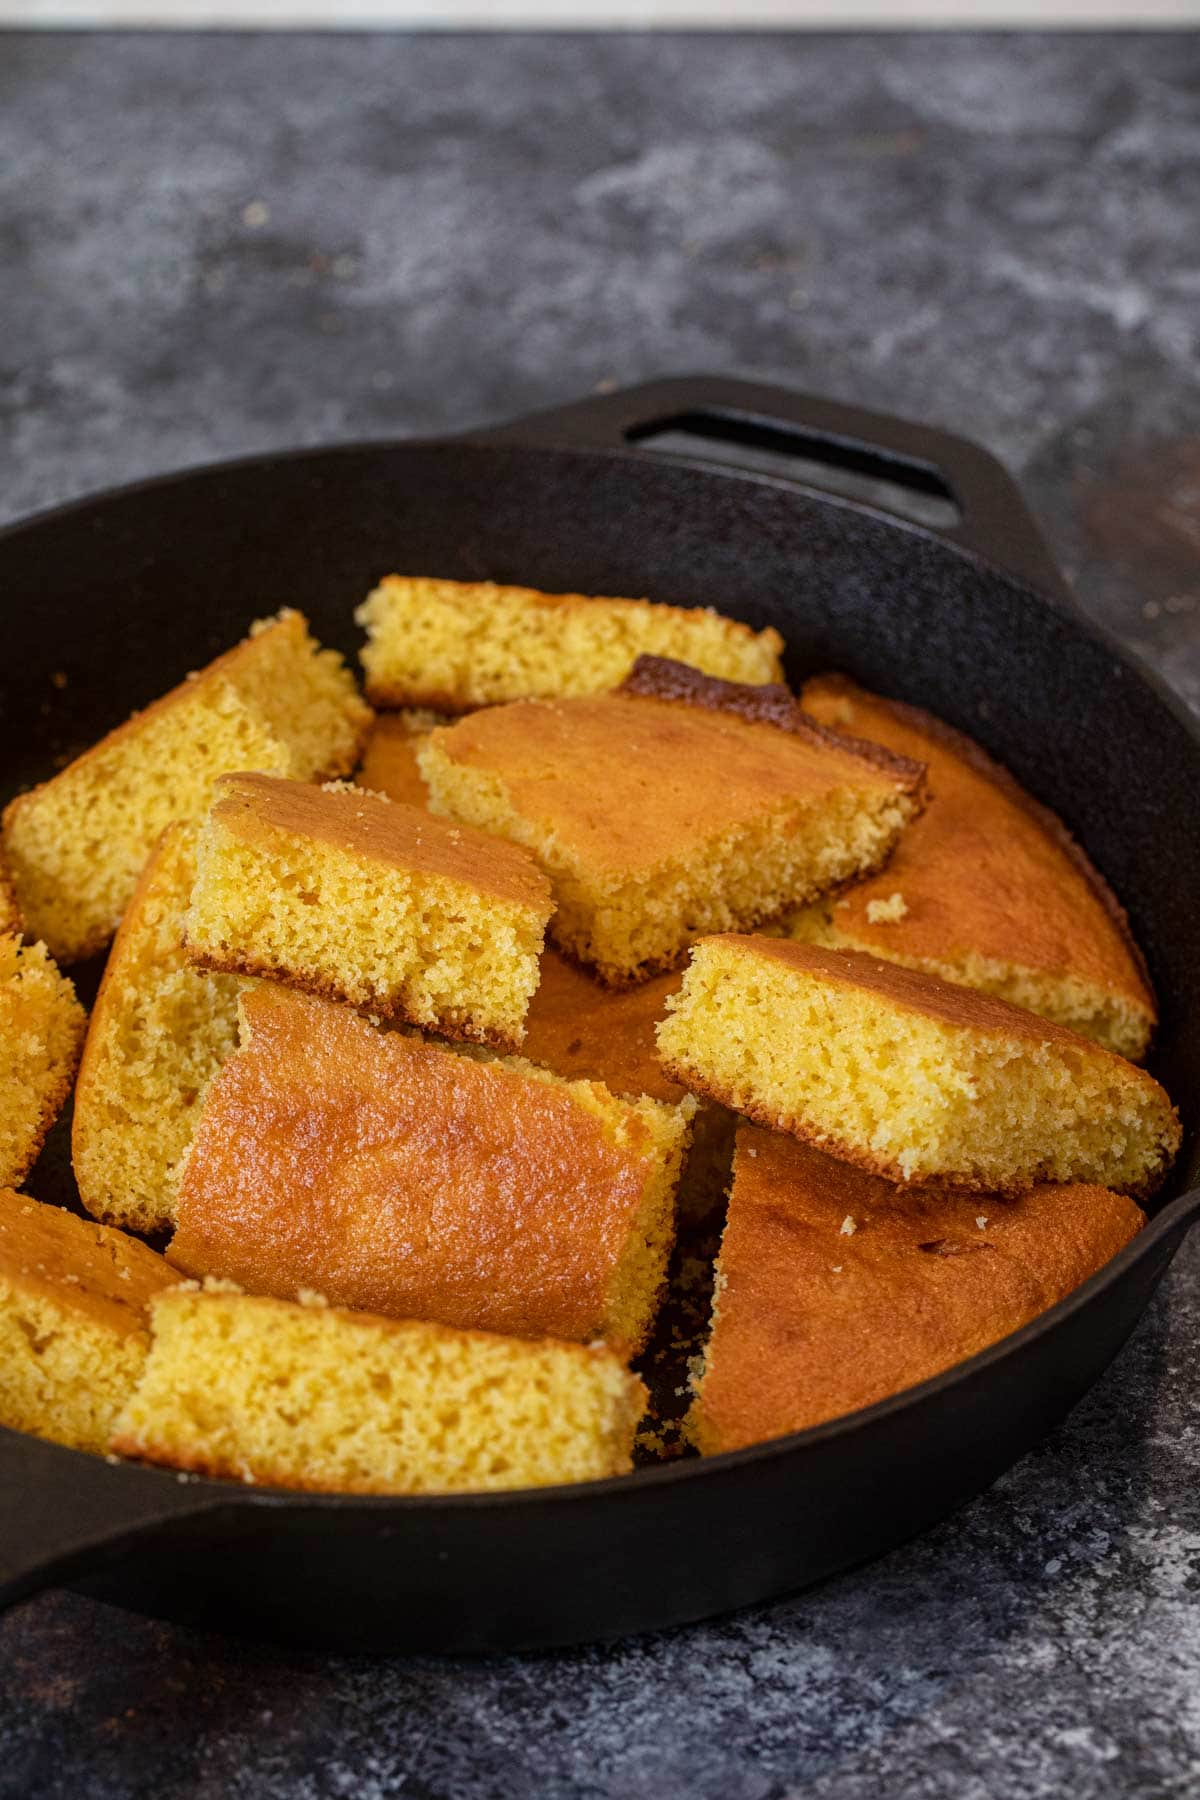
(215, 245)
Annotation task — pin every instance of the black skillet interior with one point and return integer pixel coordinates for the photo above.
(109, 602)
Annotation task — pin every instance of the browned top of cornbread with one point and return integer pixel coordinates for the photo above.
(628, 780)
(985, 867)
(254, 807)
(394, 1175)
(584, 1031)
(837, 1289)
(389, 764)
(92, 1269)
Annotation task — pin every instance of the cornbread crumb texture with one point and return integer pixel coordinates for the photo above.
(312, 1397)
(73, 1320)
(389, 764)
(10, 912)
(909, 1076)
(811, 1321)
(77, 844)
(996, 895)
(41, 1030)
(659, 820)
(159, 1031)
(401, 1177)
(461, 644)
(366, 900)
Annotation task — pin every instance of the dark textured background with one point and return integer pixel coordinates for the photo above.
(212, 245)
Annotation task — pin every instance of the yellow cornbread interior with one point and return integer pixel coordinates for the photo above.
(77, 844)
(457, 645)
(159, 1032)
(408, 943)
(309, 1397)
(909, 1095)
(41, 1029)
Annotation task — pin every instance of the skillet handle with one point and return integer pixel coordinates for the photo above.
(64, 1514)
(993, 520)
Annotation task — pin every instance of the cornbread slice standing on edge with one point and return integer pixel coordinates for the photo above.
(987, 889)
(678, 806)
(306, 1396)
(835, 1288)
(41, 1030)
(74, 1328)
(77, 844)
(455, 645)
(405, 1178)
(909, 1076)
(366, 900)
(159, 1031)
(389, 763)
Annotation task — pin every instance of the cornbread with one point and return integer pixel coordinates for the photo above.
(73, 1321)
(987, 888)
(159, 1031)
(10, 912)
(389, 764)
(579, 1029)
(41, 1029)
(405, 1178)
(366, 900)
(908, 1076)
(77, 844)
(305, 1396)
(812, 1320)
(455, 645)
(676, 807)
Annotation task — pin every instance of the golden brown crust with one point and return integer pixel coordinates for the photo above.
(55, 1096)
(389, 763)
(837, 1289)
(583, 1030)
(89, 1269)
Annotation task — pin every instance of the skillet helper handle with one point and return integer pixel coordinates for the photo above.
(993, 523)
(64, 1514)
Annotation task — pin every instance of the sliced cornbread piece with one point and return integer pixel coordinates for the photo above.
(835, 1288)
(578, 1028)
(363, 899)
(77, 844)
(678, 806)
(405, 1178)
(389, 764)
(159, 1031)
(909, 1076)
(41, 1030)
(307, 1396)
(987, 889)
(74, 1328)
(455, 645)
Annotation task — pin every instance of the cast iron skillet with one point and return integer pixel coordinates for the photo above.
(124, 593)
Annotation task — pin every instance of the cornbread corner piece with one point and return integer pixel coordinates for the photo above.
(389, 763)
(308, 1396)
(363, 899)
(910, 1077)
(455, 645)
(77, 844)
(992, 891)
(398, 1176)
(159, 1031)
(678, 806)
(835, 1288)
(41, 1031)
(74, 1329)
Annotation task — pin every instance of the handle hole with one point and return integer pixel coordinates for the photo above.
(913, 489)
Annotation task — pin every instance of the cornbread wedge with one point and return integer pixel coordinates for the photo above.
(454, 645)
(675, 807)
(987, 889)
(363, 899)
(41, 1030)
(908, 1076)
(74, 1328)
(835, 1289)
(159, 1031)
(77, 844)
(305, 1396)
(389, 764)
(404, 1178)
